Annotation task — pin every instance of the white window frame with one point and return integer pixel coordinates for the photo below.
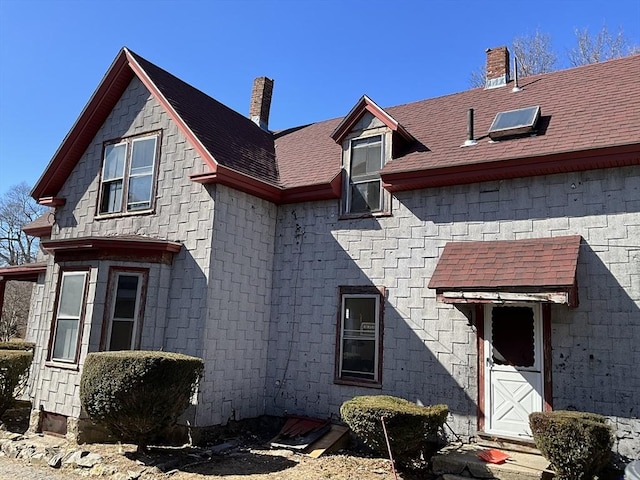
(127, 207)
(71, 356)
(142, 278)
(356, 377)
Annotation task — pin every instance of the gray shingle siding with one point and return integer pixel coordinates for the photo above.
(429, 348)
(254, 290)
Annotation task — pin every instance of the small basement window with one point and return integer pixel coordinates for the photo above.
(514, 122)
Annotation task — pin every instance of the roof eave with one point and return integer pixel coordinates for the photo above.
(27, 272)
(129, 248)
(231, 178)
(44, 231)
(318, 192)
(607, 157)
(97, 243)
(561, 295)
(239, 181)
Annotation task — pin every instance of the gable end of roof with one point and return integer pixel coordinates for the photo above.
(220, 135)
(365, 104)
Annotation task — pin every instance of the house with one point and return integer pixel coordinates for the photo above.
(480, 249)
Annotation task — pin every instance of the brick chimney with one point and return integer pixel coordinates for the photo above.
(261, 101)
(497, 67)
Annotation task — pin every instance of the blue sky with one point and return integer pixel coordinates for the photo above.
(323, 54)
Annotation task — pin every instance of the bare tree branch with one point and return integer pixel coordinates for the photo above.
(534, 53)
(16, 310)
(478, 78)
(600, 47)
(17, 208)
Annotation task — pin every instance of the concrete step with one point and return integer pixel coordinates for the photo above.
(463, 460)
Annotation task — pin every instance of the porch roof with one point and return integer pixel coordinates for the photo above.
(539, 269)
(133, 248)
(27, 272)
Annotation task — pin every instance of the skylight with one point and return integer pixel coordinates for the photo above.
(514, 122)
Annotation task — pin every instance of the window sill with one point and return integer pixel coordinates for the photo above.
(355, 216)
(358, 383)
(62, 365)
(107, 216)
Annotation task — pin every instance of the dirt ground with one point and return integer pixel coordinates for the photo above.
(238, 453)
(245, 463)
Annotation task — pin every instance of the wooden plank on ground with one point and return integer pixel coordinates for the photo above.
(334, 439)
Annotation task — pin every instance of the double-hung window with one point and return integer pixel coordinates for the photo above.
(364, 186)
(128, 175)
(125, 309)
(359, 352)
(67, 323)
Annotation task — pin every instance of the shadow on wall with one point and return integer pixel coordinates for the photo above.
(595, 355)
(428, 356)
(429, 348)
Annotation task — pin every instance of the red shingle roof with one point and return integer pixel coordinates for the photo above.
(583, 109)
(41, 226)
(27, 272)
(590, 119)
(232, 139)
(494, 265)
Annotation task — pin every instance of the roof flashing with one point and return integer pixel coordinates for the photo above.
(514, 122)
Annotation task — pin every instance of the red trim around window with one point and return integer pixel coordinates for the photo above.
(110, 298)
(51, 362)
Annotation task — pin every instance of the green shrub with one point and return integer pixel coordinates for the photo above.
(577, 444)
(14, 366)
(136, 394)
(411, 428)
(16, 345)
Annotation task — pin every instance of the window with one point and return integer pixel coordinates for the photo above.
(128, 173)
(363, 187)
(359, 352)
(513, 336)
(126, 305)
(68, 320)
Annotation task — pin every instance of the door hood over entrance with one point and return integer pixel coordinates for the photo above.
(508, 271)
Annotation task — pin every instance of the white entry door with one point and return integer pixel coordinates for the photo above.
(514, 368)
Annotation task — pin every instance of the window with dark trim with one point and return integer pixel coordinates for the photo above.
(363, 192)
(66, 330)
(359, 342)
(126, 292)
(127, 183)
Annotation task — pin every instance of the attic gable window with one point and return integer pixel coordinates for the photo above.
(363, 193)
(128, 174)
